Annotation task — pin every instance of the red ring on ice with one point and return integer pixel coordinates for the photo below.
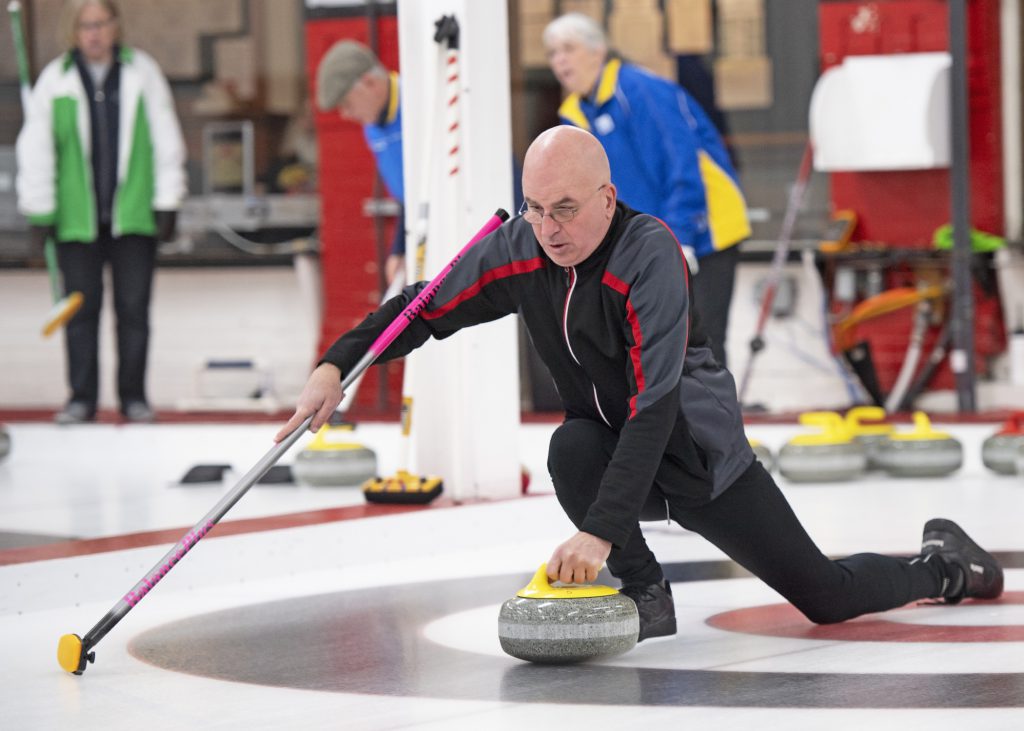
(784, 620)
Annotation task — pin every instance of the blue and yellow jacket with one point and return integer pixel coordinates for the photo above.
(384, 138)
(667, 158)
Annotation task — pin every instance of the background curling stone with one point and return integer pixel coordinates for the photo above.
(5, 441)
(870, 436)
(566, 624)
(763, 454)
(1003, 452)
(921, 452)
(330, 460)
(827, 456)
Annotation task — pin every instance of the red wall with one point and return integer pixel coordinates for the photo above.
(351, 282)
(904, 208)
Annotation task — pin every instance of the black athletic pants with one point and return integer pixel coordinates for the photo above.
(754, 525)
(712, 295)
(132, 261)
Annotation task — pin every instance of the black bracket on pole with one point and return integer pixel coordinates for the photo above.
(447, 31)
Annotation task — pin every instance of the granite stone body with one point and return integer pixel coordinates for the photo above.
(920, 457)
(822, 462)
(764, 456)
(5, 442)
(872, 444)
(568, 630)
(331, 467)
(1004, 453)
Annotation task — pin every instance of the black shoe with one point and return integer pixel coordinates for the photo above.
(138, 412)
(76, 412)
(975, 572)
(656, 608)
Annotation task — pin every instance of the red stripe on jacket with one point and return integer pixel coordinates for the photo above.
(622, 288)
(491, 275)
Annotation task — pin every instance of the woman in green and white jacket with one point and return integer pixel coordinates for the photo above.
(101, 171)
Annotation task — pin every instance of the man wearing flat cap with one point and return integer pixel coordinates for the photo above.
(352, 80)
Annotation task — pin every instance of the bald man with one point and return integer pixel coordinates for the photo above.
(652, 427)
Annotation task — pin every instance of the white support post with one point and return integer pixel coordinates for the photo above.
(465, 414)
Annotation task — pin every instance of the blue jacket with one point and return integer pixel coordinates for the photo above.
(384, 138)
(667, 158)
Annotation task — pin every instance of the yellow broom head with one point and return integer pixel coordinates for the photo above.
(61, 312)
(404, 488)
(70, 655)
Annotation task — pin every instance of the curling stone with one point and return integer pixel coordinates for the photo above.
(826, 456)
(330, 461)
(870, 436)
(763, 454)
(566, 624)
(921, 452)
(1003, 452)
(5, 441)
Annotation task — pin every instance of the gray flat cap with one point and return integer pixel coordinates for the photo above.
(341, 67)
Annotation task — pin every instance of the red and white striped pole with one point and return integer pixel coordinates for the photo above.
(453, 132)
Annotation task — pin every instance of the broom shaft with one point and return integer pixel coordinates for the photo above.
(351, 389)
(200, 529)
(793, 205)
(419, 303)
(50, 252)
(14, 9)
(191, 538)
(25, 85)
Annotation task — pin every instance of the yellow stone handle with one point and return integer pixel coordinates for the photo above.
(540, 588)
(922, 430)
(320, 441)
(832, 425)
(856, 417)
(540, 580)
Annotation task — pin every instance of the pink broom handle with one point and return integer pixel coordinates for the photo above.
(74, 653)
(419, 303)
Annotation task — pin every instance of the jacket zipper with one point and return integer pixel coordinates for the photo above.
(100, 97)
(571, 276)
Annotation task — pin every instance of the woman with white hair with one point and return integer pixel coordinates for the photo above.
(666, 156)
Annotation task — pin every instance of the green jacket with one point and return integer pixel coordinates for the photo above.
(54, 183)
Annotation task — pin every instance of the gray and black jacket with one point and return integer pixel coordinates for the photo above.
(618, 334)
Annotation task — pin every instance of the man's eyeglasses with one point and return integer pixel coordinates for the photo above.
(562, 214)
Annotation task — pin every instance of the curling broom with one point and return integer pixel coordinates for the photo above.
(74, 652)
